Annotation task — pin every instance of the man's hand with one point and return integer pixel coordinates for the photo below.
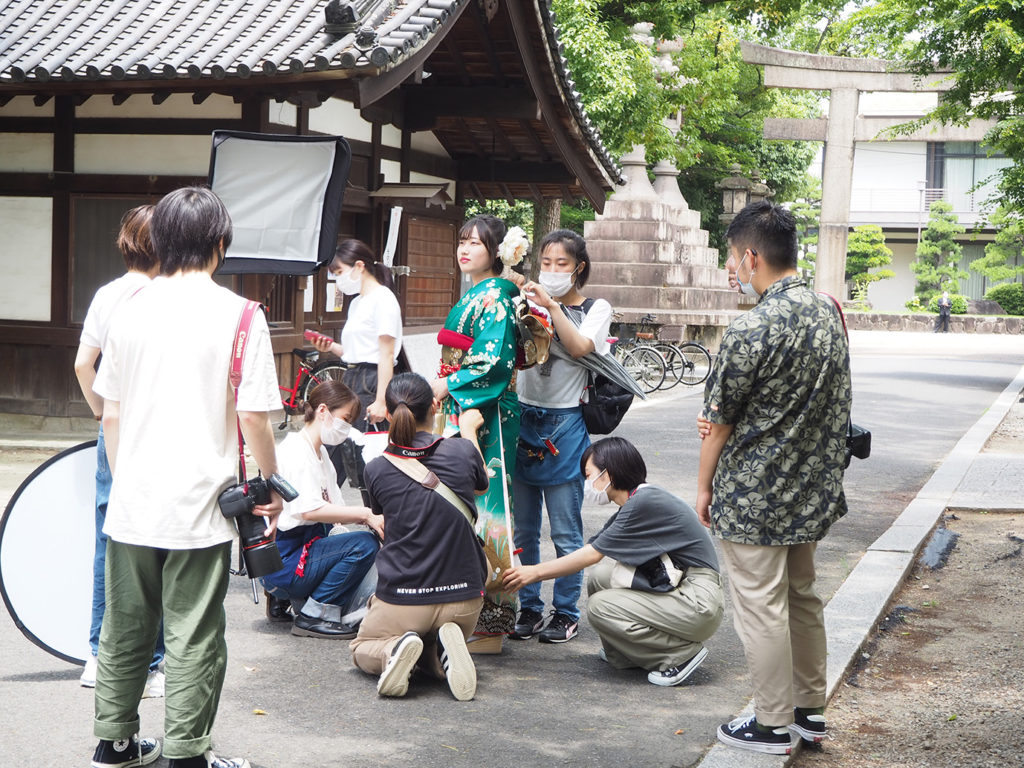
(516, 578)
(271, 512)
(704, 508)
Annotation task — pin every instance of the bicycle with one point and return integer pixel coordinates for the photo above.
(688, 362)
(310, 373)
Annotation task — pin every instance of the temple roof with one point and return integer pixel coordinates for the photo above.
(96, 46)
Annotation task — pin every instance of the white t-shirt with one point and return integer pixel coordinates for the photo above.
(369, 317)
(312, 475)
(166, 362)
(107, 299)
(560, 383)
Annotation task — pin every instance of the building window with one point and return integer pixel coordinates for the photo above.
(964, 173)
(95, 259)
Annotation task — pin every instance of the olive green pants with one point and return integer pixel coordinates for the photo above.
(186, 587)
(654, 630)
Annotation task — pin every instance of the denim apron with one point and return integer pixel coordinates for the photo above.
(551, 444)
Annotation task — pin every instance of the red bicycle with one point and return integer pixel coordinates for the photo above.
(310, 373)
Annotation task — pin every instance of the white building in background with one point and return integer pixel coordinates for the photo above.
(896, 178)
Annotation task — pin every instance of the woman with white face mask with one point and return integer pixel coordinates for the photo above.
(321, 573)
(654, 595)
(552, 435)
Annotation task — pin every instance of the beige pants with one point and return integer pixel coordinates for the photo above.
(385, 623)
(780, 620)
(653, 630)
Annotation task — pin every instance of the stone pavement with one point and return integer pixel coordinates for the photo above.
(851, 614)
(967, 479)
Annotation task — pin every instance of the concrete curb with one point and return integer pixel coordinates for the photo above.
(864, 596)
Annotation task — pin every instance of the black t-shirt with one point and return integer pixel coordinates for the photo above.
(430, 552)
(651, 523)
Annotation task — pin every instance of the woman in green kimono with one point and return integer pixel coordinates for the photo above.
(478, 365)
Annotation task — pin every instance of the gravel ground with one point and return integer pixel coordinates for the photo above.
(941, 683)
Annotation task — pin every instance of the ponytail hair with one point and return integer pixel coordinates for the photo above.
(408, 398)
(351, 251)
(331, 393)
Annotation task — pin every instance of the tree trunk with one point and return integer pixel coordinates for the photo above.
(547, 216)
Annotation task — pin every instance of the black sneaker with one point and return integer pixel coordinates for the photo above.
(676, 675)
(529, 624)
(744, 733)
(810, 728)
(209, 760)
(561, 629)
(125, 753)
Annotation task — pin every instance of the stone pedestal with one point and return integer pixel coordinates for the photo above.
(649, 255)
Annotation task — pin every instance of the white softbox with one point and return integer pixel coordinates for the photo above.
(284, 195)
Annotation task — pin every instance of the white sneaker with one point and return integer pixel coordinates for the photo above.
(394, 680)
(155, 685)
(88, 678)
(456, 661)
(212, 761)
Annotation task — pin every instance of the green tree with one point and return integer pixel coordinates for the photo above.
(979, 46)
(807, 212)
(1008, 244)
(865, 251)
(938, 253)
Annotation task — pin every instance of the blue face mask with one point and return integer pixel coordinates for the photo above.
(747, 288)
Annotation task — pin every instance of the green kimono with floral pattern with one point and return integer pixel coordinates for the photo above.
(485, 380)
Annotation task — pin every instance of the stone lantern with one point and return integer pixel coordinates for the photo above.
(738, 191)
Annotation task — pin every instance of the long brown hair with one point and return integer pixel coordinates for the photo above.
(408, 398)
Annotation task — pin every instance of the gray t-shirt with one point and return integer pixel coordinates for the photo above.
(651, 523)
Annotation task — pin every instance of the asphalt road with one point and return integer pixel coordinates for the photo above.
(292, 702)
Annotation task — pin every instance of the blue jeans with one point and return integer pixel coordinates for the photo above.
(99, 560)
(564, 502)
(334, 567)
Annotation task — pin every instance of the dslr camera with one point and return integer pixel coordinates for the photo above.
(237, 502)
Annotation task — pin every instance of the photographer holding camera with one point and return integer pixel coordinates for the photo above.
(170, 348)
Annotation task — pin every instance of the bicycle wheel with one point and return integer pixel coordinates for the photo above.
(697, 363)
(675, 363)
(646, 367)
(321, 373)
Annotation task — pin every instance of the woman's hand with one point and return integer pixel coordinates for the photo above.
(374, 522)
(440, 388)
(703, 426)
(516, 578)
(326, 346)
(470, 422)
(376, 412)
(538, 295)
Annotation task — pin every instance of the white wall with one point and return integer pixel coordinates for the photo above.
(885, 181)
(171, 155)
(175, 105)
(26, 152)
(340, 118)
(25, 227)
(892, 295)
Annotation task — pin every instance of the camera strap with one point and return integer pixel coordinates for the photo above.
(421, 474)
(235, 375)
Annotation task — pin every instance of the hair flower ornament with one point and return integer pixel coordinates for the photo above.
(514, 247)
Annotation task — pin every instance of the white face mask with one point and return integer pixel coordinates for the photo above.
(747, 288)
(556, 283)
(349, 283)
(334, 432)
(593, 496)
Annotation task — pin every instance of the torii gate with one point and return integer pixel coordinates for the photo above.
(844, 78)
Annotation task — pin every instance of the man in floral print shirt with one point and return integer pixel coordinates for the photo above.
(771, 475)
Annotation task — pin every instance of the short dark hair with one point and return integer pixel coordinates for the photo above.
(133, 239)
(352, 250)
(768, 229)
(187, 227)
(575, 246)
(491, 230)
(620, 459)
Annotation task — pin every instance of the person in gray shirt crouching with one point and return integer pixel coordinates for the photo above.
(655, 594)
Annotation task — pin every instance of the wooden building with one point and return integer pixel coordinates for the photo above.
(106, 105)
